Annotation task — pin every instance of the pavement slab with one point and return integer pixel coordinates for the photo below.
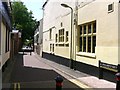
(88, 80)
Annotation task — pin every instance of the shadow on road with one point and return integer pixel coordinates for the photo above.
(29, 74)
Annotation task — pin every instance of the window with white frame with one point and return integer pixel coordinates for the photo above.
(61, 35)
(87, 37)
(52, 48)
(110, 7)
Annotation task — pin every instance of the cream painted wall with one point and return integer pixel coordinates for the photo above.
(106, 33)
(4, 56)
(54, 10)
(62, 51)
(119, 33)
(46, 41)
(54, 18)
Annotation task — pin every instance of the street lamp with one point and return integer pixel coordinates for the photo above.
(71, 60)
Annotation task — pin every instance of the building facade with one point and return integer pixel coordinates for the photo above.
(5, 28)
(15, 43)
(90, 42)
(38, 38)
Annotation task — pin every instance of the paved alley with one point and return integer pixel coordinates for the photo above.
(29, 72)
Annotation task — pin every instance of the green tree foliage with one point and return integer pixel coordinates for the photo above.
(23, 20)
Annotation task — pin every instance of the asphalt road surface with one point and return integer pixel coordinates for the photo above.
(26, 77)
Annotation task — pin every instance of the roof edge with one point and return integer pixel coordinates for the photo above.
(45, 4)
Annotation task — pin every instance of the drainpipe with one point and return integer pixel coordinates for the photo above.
(71, 38)
(75, 31)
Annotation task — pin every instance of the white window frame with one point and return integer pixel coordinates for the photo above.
(112, 7)
(83, 35)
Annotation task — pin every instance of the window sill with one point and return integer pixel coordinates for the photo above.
(67, 42)
(92, 55)
(60, 43)
(110, 11)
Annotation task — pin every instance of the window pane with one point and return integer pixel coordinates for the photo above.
(110, 7)
(50, 33)
(56, 37)
(80, 43)
(66, 36)
(94, 44)
(53, 47)
(89, 44)
(80, 30)
(84, 44)
(94, 27)
(63, 38)
(59, 39)
(84, 29)
(59, 32)
(89, 28)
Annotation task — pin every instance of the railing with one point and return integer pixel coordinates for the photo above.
(106, 66)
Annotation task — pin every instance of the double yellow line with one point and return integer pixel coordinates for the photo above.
(16, 86)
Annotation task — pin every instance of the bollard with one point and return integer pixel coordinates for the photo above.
(30, 52)
(59, 81)
(23, 52)
(118, 81)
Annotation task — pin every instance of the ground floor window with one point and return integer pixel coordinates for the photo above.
(51, 48)
(87, 37)
(67, 36)
(7, 40)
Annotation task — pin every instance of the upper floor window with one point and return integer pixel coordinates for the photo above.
(110, 7)
(56, 37)
(61, 35)
(50, 34)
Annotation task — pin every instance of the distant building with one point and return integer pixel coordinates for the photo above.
(92, 37)
(5, 28)
(15, 46)
(38, 38)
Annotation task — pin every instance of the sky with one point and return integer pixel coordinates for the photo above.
(36, 7)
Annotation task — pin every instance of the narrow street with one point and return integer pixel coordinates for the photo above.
(29, 72)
